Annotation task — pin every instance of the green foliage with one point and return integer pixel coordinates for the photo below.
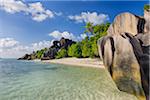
(100, 28)
(62, 53)
(75, 50)
(90, 28)
(89, 44)
(146, 7)
(39, 53)
(86, 47)
(94, 48)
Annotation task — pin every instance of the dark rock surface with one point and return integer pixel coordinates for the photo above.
(50, 53)
(25, 57)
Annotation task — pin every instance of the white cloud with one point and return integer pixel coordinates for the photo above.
(39, 17)
(39, 13)
(36, 7)
(36, 10)
(93, 17)
(58, 35)
(83, 36)
(10, 48)
(12, 6)
(41, 45)
(8, 42)
(58, 13)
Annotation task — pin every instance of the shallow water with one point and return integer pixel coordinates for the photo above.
(24, 80)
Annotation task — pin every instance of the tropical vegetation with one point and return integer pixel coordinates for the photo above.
(88, 46)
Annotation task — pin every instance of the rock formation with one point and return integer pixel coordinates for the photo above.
(125, 53)
(25, 57)
(57, 45)
(52, 51)
(28, 56)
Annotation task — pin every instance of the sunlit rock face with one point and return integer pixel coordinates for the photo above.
(125, 22)
(147, 24)
(125, 53)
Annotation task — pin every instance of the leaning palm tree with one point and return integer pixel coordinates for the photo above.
(89, 29)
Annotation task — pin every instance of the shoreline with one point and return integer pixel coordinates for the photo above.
(82, 62)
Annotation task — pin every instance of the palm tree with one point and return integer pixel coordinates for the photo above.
(89, 29)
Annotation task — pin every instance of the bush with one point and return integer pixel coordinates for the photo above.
(39, 53)
(75, 50)
(62, 53)
(146, 7)
(86, 47)
(89, 44)
(94, 49)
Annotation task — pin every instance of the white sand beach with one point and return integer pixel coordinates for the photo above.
(85, 62)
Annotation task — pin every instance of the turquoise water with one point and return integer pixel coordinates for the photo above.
(24, 80)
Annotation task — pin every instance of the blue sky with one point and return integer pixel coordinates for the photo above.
(21, 23)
